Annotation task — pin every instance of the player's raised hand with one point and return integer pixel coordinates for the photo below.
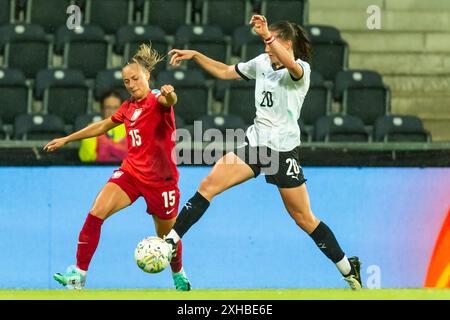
(179, 55)
(260, 26)
(55, 144)
(168, 97)
(167, 89)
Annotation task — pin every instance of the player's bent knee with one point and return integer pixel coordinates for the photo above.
(100, 212)
(304, 219)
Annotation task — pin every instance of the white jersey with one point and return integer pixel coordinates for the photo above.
(278, 101)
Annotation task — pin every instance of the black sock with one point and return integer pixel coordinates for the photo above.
(327, 243)
(190, 214)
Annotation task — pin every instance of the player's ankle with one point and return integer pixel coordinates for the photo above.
(179, 271)
(173, 235)
(81, 271)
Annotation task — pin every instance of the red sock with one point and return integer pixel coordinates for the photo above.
(176, 264)
(88, 241)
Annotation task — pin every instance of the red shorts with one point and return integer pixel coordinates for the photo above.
(162, 202)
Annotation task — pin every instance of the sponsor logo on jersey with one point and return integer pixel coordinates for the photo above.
(169, 211)
(117, 174)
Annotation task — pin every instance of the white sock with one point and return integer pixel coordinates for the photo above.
(82, 272)
(344, 266)
(174, 235)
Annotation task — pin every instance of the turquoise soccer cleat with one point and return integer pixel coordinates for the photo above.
(181, 281)
(72, 278)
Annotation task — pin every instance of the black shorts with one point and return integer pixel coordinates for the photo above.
(280, 168)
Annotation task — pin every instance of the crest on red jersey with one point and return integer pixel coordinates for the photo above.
(136, 114)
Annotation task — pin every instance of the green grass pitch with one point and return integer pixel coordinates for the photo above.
(262, 294)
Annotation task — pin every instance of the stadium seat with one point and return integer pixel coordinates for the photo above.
(6, 11)
(290, 10)
(15, 95)
(208, 40)
(340, 128)
(18, 40)
(107, 80)
(363, 94)
(3, 134)
(317, 101)
(181, 126)
(220, 89)
(194, 95)
(222, 122)
(212, 125)
(63, 92)
(330, 51)
(48, 13)
(227, 14)
(129, 38)
(156, 12)
(305, 132)
(139, 5)
(84, 48)
(256, 6)
(246, 44)
(38, 127)
(84, 120)
(110, 15)
(179, 122)
(397, 128)
(239, 99)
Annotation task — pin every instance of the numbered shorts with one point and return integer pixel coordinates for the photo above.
(161, 201)
(280, 168)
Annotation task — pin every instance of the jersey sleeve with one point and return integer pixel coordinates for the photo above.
(247, 70)
(306, 72)
(156, 94)
(118, 116)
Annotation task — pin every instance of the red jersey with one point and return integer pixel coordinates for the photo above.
(150, 128)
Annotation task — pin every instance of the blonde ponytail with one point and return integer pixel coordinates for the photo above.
(146, 57)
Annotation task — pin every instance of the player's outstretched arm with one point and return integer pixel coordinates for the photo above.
(168, 96)
(215, 68)
(91, 130)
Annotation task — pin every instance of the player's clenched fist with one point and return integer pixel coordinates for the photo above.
(167, 89)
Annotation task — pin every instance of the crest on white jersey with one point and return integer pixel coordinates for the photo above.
(136, 114)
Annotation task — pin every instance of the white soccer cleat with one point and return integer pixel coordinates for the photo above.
(72, 278)
(354, 278)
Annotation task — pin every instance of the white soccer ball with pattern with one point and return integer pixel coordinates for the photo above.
(153, 254)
